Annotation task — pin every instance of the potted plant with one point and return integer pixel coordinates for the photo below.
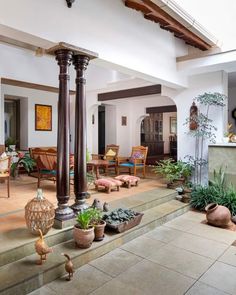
(25, 161)
(176, 173)
(98, 223)
(10, 143)
(83, 231)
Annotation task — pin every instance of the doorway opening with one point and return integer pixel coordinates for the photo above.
(101, 129)
(12, 121)
(159, 133)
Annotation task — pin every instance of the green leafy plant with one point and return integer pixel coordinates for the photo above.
(229, 200)
(218, 191)
(172, 170)
(96, 216)
(84, 218)
(201, 196)
(10, 141)
(24, 160)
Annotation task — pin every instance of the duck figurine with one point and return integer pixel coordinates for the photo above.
(68, 266)
(42, 248)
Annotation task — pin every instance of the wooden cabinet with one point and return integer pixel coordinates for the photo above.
(152, 134)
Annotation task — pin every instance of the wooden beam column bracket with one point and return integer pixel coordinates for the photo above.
(63, 212)
(80, 165)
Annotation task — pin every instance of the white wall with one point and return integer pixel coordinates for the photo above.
(24, 124)
(211, 82)
(110, 126)
(35, 138)
(231, 106)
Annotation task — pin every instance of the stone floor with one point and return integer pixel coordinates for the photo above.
(183, 256)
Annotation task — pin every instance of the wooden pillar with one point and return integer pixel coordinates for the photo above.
(80, 166)
(63, 212)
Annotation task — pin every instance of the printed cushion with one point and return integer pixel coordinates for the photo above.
(108, 182)
(136, 155)
(3, 163)
(110, 153)
(128, 178)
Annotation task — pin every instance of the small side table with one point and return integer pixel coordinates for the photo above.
(96, 164)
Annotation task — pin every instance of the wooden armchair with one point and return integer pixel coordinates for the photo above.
(135, 162)
(46, 162)
(110, 155)
(5, 169)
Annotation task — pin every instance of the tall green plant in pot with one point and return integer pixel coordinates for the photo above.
(204, 133)
(83, 231)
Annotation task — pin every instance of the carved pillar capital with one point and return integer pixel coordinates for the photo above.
(80, 62)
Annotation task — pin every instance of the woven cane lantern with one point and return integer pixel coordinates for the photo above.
(39, 214)
(193, 124)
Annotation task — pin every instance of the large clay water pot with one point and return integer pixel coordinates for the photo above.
(218, 215)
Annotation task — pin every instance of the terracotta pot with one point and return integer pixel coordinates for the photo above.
(83, 237)
(99, 231)
(218, 215)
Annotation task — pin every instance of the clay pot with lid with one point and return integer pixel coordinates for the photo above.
(218, 215)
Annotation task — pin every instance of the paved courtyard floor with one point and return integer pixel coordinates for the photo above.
(183, 256)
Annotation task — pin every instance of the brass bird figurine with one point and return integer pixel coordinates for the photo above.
(68, 266)
(42, 248)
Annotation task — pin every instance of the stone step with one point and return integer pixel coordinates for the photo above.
(23, 276)
(21, 243)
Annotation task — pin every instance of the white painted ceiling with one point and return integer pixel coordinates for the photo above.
(218, 17)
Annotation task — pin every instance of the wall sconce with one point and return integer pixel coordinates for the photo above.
(69, 3)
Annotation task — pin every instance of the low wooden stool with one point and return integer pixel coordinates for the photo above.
(128, 180)
(108, 184)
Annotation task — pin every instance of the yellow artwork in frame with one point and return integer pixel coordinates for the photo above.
(43, 117)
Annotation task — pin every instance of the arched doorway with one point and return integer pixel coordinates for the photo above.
(158, 131)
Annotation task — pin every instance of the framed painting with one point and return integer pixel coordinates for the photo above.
(43, 117)
(123, 121)
(173, 125)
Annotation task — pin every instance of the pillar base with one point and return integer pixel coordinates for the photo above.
(64, 212)
(80, 202)
(60, 224)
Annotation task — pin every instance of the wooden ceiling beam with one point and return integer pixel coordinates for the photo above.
(153, 12)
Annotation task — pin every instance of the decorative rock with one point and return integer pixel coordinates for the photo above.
(218, 215)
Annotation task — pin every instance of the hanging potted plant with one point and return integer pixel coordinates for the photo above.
(83, 231)
(98, 223)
